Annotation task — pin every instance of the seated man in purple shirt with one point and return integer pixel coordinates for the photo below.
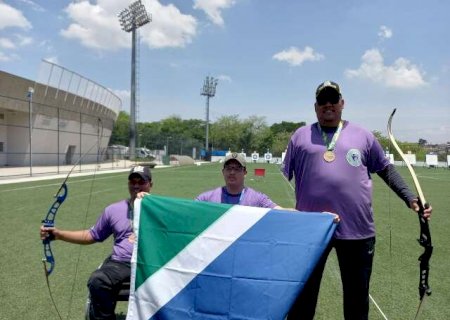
(116, 220)
(234, 191)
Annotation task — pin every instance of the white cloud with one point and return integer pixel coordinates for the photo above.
(401, 74)
(23, 40)
(94, 26)
(11, 17)
(213, 9)
(296, 57)
(224, 77)
(8, 57)
(3, 57)
(6, 43)
(97, 25)
(169, 27)
(33, 5)
(385, 33)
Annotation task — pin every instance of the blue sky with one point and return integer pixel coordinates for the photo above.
(268, 55)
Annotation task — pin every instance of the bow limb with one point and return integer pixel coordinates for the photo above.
(402, 155)
(425, 236)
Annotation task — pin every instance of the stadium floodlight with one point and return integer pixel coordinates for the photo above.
(134, 16)
(208, 90)
(131, 19)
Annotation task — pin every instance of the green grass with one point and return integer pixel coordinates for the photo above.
(23, 290)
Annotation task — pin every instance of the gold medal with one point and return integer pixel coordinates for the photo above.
(329, 156)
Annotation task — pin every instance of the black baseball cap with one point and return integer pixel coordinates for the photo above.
(141, 171)
(326, 86)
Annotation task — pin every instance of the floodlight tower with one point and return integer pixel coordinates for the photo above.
(208, 90)
(131, 19)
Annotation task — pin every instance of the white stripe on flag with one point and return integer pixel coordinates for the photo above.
(168, 281)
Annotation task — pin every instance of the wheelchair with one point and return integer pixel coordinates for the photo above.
(123, 295)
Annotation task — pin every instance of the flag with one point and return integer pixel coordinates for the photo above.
(202, 260)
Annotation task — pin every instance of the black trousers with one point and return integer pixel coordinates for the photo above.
(355, 259)
(104, 285)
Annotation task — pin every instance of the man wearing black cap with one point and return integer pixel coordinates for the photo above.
(332, 161)
(116, 220)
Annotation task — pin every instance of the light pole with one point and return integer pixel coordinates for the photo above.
(208, 90)
(132, 18)
(30, 125)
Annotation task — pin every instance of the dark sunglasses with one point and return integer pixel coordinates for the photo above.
(140, 182)
(331, 97)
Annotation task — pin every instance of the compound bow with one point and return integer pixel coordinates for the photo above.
(425, 236)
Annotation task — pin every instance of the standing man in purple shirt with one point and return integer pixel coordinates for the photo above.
(116, 220)
(234, 191)
(332, 161)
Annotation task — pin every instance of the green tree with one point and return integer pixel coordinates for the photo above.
(384, 141)
(280, 142)
(406, 147)
(149, 135)
(226, 133)
(285, 126)
(172, 126)
(121, 131)
(195, 129)
(260, 138)
(252, 134)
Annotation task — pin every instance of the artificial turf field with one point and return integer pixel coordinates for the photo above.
(24, 293)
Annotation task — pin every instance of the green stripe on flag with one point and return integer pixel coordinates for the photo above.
(166, 283)
(169, 226)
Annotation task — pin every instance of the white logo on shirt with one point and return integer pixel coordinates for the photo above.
(354, 157)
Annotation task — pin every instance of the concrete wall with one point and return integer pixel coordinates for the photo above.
(61, 121)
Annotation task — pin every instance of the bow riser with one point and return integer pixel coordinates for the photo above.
(424, 241)
(49, 222)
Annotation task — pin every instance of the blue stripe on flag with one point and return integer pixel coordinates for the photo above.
(260, 274)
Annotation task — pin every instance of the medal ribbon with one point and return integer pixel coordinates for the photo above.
(226, 196)
(330, 145)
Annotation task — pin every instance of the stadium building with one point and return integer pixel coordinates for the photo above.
(54, 120)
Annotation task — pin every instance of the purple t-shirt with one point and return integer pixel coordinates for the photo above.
(343, 186)
(116, 220)
(248, 197)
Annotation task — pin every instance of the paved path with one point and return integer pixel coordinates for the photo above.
(22, 174)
